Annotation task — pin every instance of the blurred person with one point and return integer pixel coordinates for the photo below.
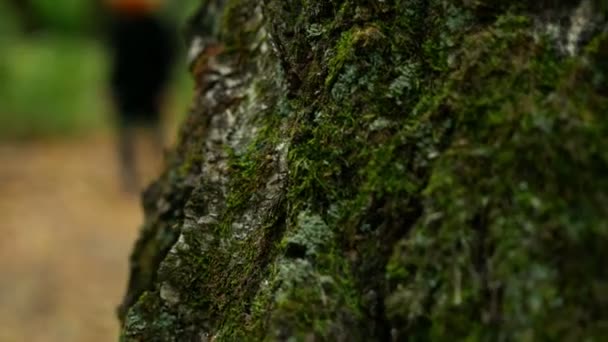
(143, 49)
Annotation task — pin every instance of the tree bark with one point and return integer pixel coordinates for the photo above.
(358, 170)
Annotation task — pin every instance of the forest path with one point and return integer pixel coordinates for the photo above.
(66, 231)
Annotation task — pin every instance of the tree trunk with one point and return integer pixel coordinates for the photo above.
(358, 170)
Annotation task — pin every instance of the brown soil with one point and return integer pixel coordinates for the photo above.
(66, 230)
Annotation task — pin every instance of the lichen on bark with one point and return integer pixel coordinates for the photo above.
(383, 170)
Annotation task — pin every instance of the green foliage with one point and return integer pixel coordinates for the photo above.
(51, 85)
(67, 15)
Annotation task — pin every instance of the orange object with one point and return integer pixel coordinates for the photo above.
(134, 7)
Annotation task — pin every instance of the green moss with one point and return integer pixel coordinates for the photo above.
(501, 207)
(312, 234)
(344, 51)
(148, 321)
(429, 189)
(309, 291)
(346, 46)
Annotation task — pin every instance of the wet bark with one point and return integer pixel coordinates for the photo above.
(383, 170)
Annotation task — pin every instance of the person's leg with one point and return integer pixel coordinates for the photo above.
(158, 133)
(127, 156)
(154, 125)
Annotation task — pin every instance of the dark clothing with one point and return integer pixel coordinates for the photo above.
(143, 52)
(142, 56)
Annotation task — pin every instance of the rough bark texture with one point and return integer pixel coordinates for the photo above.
(384, 170)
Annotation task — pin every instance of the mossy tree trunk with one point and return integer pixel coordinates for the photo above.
(358, 170)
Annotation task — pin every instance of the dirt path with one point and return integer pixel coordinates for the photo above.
(66, 231)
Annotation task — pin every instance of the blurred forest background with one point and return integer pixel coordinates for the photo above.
(66, 228)
(53, 81)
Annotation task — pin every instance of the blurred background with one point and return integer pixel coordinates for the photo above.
(66, 225)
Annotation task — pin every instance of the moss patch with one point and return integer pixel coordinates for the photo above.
(428, 170)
